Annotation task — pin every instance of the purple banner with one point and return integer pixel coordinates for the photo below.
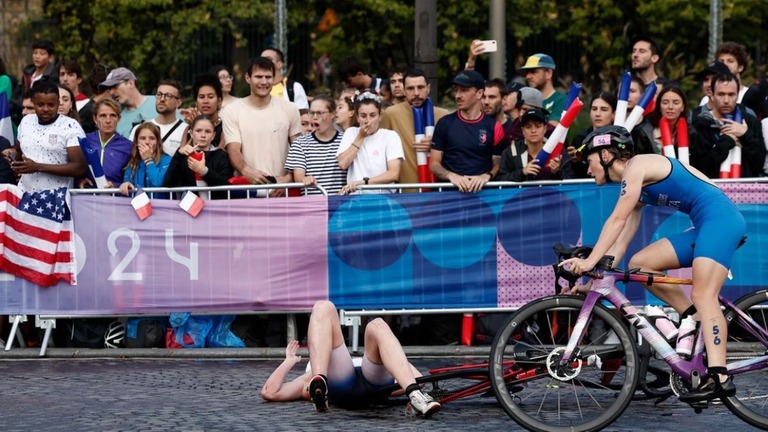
(239, 255)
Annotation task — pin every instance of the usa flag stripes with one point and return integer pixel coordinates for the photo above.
(36, 240)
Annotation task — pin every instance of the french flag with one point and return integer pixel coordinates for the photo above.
(142, 205)
(6, 129)
(191, 203)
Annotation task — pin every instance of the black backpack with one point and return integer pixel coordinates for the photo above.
(82, 332)
(145, 333)
(289, 88)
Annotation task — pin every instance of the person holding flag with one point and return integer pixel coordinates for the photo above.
(518, 161)
(47, 157)
(720, 131)
(400, 118)
(199, 163)
(669, 119)
(602, 112)
(105, 149)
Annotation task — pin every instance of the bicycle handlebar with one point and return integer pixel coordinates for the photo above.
(605, 266)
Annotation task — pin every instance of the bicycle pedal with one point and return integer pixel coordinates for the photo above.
(699, 406)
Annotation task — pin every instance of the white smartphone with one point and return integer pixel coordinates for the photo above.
(488, 46)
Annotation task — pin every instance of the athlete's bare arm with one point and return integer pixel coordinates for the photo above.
(276, 389)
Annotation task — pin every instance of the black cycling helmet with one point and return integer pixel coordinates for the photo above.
(605, 137)
(608, 137)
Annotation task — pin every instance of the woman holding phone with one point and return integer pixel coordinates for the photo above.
(198, 162)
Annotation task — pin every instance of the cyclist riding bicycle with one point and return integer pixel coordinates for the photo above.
(707, 247)
(333, 375)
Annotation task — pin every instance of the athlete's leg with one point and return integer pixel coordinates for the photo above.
(328, 357)
(708, 278)
(658, 257)
(383, 348)
(384, 358)
(323, 335)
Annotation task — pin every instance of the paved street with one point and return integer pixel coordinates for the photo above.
(215, 394)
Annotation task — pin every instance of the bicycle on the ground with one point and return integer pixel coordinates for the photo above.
(582, 360)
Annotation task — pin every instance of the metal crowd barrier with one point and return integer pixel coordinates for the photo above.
(350, 318)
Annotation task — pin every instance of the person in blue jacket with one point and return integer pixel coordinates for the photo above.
(113, 149)
(148, 163)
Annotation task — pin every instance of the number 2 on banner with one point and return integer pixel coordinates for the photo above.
(118, 273)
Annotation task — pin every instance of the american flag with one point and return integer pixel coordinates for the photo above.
(36, 236)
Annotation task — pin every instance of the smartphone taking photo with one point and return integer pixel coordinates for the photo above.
(489, 46)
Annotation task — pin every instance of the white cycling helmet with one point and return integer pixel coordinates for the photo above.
(115, 335)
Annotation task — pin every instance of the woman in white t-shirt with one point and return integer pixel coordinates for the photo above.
(50, 152)
(369, 154)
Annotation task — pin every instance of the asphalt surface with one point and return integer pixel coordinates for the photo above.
(186, 394)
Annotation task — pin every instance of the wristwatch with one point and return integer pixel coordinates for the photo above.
(365, 179)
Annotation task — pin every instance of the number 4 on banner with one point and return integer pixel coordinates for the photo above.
(191, 203)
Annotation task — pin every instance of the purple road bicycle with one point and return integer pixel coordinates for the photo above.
(585, 356)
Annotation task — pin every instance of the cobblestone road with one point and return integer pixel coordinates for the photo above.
(213, 395)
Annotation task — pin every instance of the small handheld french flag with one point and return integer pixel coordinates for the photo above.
(142, 205)
(191, 203)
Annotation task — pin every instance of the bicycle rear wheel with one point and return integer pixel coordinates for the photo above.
(588, 393)
(751, 400)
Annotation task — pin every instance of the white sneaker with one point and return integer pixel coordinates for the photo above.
(423, 403)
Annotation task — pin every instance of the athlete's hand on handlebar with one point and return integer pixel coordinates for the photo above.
(577, 266)
(578, 289)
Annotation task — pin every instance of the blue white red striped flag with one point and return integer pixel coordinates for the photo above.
(36, 235)
(6, 128)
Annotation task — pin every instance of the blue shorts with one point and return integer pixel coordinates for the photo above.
(716, 235)
(353, 385)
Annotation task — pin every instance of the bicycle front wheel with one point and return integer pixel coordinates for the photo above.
(751, 400)
(588, 393)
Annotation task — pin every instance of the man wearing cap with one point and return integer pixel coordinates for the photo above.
(509, 103)
(465, 147)
(399, 118)
(518, 162)
(137, 107)
(539, 71)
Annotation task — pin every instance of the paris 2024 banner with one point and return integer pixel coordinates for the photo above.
(394, 251)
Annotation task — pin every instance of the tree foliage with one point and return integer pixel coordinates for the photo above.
(153, 37)
(157, 37)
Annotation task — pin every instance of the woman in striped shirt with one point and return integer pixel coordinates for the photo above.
(312, 157)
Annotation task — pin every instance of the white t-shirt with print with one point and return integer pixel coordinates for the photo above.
(375, 151)
(173, 142)
(47, 144)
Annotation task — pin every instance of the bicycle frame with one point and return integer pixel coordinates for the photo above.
(691, 370)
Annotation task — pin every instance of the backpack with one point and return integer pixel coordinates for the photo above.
(83, 332)
(145, 333)
(289, 88)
